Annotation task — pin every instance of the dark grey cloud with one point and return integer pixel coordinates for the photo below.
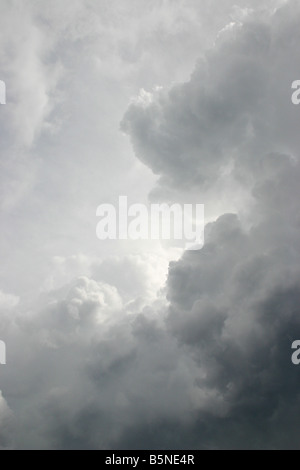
(210, 370)
(234, 304)
(107, 353)
(233, 112)
(239, 330)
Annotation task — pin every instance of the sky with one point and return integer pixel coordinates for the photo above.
(122, 344)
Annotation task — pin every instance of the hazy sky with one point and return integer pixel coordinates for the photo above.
(139, 345)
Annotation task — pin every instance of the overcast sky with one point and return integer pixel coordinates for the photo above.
(140, 345)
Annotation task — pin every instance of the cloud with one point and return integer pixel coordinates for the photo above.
(134, 287)
(29, 75)
(217, 129)
(103, 351)
(6, 421)
(8, 301)
(210, 369)
(234, 304)
(108, 370)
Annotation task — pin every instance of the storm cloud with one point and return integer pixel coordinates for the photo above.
(120, 347)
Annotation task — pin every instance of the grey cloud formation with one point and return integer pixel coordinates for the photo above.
(108, 370)
(233, 112)
(104, 350)
(238, 316)
(235, 303)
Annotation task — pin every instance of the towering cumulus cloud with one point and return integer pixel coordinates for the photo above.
(233, 114)
(122, 349)
(234, 305)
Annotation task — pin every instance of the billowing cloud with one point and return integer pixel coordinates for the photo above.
(235, 305)
(106, 349)
(94, 370)
(225, 126)
(135, 288)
